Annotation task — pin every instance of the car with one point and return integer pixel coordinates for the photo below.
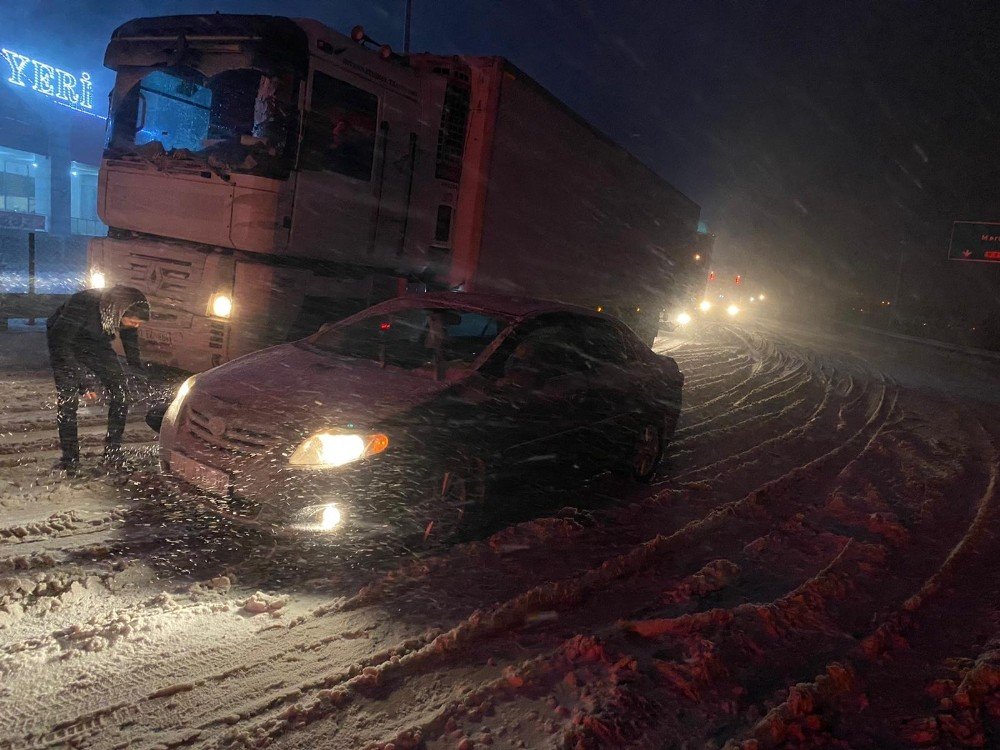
(408, 415)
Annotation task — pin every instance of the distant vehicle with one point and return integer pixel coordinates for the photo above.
(409, 414)
(726, 295)
(264, 175)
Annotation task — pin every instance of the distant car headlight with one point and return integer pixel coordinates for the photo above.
(174, 410)
(705, 305)
(683, 319)
(96, 279)
(732, 311)
(326, 449)
(221, 306)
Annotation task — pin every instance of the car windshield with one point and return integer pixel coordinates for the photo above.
(415, 339)
(240, 118)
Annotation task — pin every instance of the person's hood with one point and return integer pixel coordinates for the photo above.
(289, 389)
(117, 301)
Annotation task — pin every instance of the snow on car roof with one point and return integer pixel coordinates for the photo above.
(498, 304)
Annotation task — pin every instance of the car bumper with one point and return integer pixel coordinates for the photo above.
(291, 501)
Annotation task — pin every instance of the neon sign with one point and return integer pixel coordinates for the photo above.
(76, 91)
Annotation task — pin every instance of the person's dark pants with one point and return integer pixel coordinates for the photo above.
(71, 376)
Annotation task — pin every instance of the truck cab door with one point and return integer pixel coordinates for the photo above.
(393, 181)
(334, 195)
(356, 170)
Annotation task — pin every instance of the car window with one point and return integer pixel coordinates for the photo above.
(547, 353)
(414, 338)
(601, 343)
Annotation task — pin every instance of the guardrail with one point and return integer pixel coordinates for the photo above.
(30, 306)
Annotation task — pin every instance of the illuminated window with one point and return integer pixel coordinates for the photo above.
(24, 188)
(83, 201)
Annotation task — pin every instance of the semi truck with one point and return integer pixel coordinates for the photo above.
(263, 175)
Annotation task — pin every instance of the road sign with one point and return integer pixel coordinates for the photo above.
(975, 241)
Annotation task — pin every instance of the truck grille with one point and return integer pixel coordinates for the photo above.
(233, 438)
(173, 284)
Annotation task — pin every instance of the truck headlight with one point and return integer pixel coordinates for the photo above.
(683, 319)
(705, 305)
(326, 449)
(732, 311)
(96, 279)
(174, 410)
(221, 306)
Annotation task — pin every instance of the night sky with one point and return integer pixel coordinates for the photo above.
(829, 144)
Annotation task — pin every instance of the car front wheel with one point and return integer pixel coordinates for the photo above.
(457, 503)
(647, 451)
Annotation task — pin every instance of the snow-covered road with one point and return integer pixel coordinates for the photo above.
(817, 566)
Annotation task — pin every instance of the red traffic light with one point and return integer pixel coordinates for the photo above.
(738, 278)
(711, 275)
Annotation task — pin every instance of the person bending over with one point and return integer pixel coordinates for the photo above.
(80, 333)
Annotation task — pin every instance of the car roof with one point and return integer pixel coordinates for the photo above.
(497, 304)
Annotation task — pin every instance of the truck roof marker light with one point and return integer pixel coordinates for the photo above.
(384, 326)
(385, 52)
(600, 308)
(697, 256)
(358, 34)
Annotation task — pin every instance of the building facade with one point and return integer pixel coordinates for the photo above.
(51, 137)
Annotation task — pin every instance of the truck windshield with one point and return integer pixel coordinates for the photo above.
(239, 120)
(414, 339)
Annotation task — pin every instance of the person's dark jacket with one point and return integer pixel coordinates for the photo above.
(83, 327)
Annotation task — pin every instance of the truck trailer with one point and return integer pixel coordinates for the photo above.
(264, 175)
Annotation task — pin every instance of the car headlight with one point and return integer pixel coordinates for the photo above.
(326, 449)
(174, 410)
(732, 311)
(683, 319)
(705, 305)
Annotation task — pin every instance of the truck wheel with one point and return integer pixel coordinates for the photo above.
(647, 450)
(457, 507)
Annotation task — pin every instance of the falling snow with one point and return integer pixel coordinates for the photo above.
(814, 566)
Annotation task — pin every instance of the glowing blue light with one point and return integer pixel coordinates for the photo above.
(75, 91)
(74, 173)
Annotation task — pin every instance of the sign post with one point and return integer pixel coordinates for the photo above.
(975, 241)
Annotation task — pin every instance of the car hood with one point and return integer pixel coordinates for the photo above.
(295, 388)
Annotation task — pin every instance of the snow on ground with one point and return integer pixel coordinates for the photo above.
(816, 566)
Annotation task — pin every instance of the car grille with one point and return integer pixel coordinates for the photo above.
(234, 439)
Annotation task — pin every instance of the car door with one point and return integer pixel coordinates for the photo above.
(616, 399)
(538, 413)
